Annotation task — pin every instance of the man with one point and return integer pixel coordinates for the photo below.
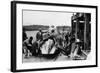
(39, 35)
(27, 46)
(30, 40)
(24, 35)
(39, 39)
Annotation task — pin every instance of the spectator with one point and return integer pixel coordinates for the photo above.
(39, 35)
(30, 40)
(24, 35)
(28, 44)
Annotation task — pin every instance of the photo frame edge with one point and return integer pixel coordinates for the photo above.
(13, 35)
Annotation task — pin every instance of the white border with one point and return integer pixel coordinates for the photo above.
(21, 65)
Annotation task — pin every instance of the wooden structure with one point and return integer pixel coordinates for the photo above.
(81, 28)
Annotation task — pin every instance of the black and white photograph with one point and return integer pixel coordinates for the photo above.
(56, 36)
(47, 36)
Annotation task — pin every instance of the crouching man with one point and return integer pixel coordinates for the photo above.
(27, 47)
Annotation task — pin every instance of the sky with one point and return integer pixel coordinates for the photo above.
(46, 18)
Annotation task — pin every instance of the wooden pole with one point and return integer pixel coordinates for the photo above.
(85, 19)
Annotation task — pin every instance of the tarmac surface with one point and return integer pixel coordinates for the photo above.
(41, 59)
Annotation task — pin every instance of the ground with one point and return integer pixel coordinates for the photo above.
(38, 59)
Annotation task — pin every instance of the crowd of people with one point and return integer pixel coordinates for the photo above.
(53, 43)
